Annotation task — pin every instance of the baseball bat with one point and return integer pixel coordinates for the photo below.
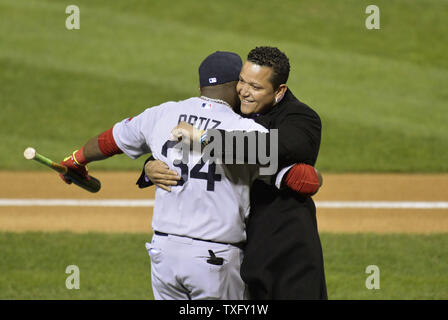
(91, 185)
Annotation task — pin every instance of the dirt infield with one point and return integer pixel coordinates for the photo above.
(121, 185)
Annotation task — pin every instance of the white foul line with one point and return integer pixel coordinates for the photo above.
(150, 203)
(76, 203)
(382, 204)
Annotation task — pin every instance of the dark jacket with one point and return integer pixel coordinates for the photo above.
(283, 256)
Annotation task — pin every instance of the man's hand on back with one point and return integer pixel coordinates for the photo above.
(160, 174)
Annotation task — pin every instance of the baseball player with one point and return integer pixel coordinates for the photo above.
(196, 250)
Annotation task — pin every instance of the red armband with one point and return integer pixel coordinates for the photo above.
(107, 144)
(303, 179)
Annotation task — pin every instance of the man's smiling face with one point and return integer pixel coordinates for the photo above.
(255, 89)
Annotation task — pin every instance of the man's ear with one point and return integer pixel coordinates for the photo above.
(280, 92)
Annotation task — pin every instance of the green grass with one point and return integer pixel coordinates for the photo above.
(411, 266)
(111, 266)
(116, 266)
(381, 94)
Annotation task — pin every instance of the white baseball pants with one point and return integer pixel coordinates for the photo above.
(184, 269)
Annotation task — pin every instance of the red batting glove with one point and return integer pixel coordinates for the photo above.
(77, 163)
(302, 179)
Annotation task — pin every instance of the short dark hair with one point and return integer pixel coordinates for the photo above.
(274, 58)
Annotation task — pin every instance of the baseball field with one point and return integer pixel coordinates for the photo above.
(382, 95)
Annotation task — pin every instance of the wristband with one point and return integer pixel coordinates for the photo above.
(303, 179)
(79, 158)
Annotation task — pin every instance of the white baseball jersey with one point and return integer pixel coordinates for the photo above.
(212, 200)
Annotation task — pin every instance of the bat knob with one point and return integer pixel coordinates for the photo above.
(29, 153)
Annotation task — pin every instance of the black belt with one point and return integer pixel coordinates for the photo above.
(239, 245)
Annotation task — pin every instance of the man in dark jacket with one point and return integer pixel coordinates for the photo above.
(283, 256)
